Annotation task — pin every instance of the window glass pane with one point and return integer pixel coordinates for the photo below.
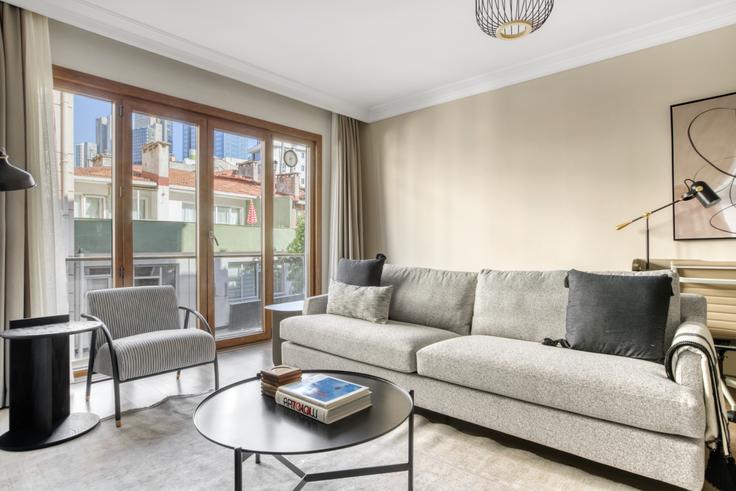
(164, 167)
(84, 158)
(188, 212)
(291, 161)
(93, 207)
(238, 171)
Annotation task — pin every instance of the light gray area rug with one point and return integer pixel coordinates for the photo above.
(159, 448)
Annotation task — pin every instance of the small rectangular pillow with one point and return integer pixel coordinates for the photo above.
(360, 272)
(617, 314)
(370, 303)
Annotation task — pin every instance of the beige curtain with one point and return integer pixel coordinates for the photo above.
(31, 264)
(346, 221)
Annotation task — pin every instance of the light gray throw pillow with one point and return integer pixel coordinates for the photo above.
(370, 303)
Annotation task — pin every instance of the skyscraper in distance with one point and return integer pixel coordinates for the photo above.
(83, 153)
(189, 141)
(230, 145)
(147, 129)
(103, 137)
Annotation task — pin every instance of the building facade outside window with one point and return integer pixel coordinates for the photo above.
(228, 215)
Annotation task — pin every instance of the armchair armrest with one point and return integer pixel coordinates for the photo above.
(108, 339)
(103, 327)
(198, 316)
(315, 305)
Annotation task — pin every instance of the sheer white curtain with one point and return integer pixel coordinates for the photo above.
(346, 221)
(46, 270)
(32, 279)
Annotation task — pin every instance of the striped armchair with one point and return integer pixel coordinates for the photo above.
(141, 336)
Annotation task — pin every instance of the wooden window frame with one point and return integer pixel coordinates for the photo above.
(126, 99)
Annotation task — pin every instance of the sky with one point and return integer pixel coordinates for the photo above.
(88, 109)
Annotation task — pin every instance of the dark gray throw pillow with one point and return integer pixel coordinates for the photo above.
(360, 272)
(618, 315)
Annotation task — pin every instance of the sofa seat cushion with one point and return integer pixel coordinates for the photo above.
(393, 345)
(156, 352)
(612, 388)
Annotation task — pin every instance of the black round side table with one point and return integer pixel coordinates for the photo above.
(241, 418)
(39, 384)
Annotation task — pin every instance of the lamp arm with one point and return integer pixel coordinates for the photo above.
(647, 214)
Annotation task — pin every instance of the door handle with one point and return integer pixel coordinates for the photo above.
(213, 237)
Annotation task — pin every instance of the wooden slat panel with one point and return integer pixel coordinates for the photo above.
(711, 290)
(721, 333)
(708, 273)
(721, 308)
(723, 324)
(721, 316)
(721, 298)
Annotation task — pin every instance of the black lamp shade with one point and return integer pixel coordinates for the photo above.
(704, 193)
(11, 177)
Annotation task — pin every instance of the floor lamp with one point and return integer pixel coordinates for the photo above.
(695, 189)
(11, 177)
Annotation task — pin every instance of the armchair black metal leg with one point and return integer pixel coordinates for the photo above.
(217, 375)
(88, 390)
(116, 389)
(411, 444)
(90, 365)
(178, 374)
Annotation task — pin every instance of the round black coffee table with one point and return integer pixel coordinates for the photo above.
(241, 418)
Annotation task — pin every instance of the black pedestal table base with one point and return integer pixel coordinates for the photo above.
(74, 425)
(39, 383)
(408, 467)
(239, 417)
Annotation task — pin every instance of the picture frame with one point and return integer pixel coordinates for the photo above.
(704, 149)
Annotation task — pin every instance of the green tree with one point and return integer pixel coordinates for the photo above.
(296, 264)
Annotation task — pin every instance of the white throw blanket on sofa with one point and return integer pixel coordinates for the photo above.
(696, 338)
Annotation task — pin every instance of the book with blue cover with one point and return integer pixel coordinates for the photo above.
(324, 390)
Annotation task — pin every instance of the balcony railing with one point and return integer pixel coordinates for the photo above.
(238, 296)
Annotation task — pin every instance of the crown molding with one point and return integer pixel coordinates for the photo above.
(659, 32)
(93, 18)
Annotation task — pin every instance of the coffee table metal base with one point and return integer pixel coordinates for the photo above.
(408, 467)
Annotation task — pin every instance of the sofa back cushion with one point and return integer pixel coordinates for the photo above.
(526, 305)
(532, 305)
(431, 297)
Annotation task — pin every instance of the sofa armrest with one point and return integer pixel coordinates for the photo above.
(693, 308)
(689, 371)
(691, 366)
(315, 305)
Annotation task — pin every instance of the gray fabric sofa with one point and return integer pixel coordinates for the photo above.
(469, 344)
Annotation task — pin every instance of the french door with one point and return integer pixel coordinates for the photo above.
(218, 212)
(160, 200)
(238, 231)
(257, 191)
(157, 190)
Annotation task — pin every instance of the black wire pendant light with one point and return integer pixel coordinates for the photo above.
(511, 19)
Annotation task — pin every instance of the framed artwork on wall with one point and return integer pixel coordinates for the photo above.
(704, 149)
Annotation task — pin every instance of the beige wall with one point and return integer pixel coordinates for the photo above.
(537, 175)
(87, 52)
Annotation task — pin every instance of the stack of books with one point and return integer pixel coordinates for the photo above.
(275, 377)
(324, 398)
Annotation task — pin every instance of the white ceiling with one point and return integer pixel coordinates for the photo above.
(379, 58)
